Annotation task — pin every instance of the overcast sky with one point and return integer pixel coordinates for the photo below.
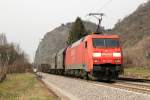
(26, 21)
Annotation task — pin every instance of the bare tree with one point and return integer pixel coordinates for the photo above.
(3, 39)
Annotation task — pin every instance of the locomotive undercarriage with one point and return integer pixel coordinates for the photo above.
(56, 71)
(106, 71)
(99, 72)
(80, 73)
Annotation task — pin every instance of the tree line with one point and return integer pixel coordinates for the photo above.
(77, 31)
(12, 58)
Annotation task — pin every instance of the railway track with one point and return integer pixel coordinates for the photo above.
(134, 79)
(133, 86)
(97, 90)
(138, 87)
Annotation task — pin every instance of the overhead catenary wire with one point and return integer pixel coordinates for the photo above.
(98, 11)
(105, 5)
(101, 8)
(98, 15)
(92, 9)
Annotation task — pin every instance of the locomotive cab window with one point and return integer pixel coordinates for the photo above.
(106, 43)
(112, 43)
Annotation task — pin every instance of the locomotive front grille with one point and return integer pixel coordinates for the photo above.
(106, 67)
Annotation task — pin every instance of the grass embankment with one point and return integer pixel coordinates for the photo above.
(137, 72)
(24, 87)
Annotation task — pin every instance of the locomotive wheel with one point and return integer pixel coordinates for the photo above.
(77, 73)
(85, 75)
(91, 77)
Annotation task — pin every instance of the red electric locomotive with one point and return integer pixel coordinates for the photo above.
(95, 55)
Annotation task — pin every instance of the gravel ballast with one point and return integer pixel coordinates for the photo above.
(75, 89)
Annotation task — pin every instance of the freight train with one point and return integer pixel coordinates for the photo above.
(93, 56)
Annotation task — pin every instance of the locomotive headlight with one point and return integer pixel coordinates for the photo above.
(117, 54)
(97, 54)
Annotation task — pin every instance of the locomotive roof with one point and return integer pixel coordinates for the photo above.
(103, 36)
(93, 36)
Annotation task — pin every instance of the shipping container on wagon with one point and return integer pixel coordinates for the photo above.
(60, 59)
(53, 63)
(45, 67)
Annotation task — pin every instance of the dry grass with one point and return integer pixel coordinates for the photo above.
(24, 87)
(137, 72)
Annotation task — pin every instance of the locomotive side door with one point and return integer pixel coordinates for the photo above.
(85, 59)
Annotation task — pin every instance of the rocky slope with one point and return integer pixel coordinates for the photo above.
(135, 33)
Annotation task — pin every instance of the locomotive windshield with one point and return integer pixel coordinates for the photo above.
(105, 42)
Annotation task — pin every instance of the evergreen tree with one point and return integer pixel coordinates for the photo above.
(76, 32)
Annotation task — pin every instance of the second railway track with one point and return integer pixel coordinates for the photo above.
(138, 87)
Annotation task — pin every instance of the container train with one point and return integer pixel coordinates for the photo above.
(93, 56)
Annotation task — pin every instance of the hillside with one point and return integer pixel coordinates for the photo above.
(56, 40)
(135, 33)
